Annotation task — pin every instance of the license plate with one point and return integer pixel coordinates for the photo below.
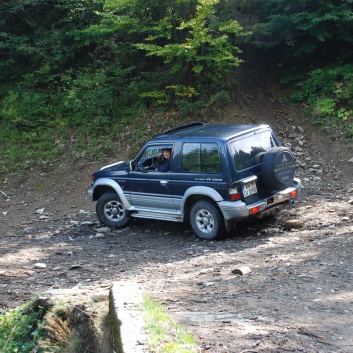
(249, 189)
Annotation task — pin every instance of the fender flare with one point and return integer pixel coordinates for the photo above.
(107, 182)
(199, 191)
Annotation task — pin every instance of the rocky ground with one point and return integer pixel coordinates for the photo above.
(297, 297)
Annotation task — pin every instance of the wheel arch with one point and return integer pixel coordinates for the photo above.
(100, 190)
(104, 185)
(197, 194)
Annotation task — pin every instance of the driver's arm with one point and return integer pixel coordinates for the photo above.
(164, 167)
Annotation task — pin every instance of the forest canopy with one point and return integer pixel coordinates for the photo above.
(92, 67)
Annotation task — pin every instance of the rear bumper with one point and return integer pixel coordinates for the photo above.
(238, 210)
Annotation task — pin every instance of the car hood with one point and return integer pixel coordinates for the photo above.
(122, 165)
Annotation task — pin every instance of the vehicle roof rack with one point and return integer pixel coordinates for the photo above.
(182, 127)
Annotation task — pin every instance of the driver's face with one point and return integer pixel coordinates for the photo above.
(166, 154)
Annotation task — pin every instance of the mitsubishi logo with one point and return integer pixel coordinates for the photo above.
(284, 158)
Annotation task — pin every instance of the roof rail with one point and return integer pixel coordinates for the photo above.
(181, 127)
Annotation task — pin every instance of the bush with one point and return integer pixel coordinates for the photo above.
(327, 96)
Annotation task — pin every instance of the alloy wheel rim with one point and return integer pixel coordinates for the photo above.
(114, 211)
(205, 221)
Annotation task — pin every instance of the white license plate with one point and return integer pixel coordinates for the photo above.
(249, 189)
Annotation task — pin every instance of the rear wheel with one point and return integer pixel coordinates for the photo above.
(206, 220)
(111, 211)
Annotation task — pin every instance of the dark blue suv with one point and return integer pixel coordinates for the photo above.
(212, 176)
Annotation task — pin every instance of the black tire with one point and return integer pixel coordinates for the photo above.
(111, 211)
(278, 168)
(206, 221)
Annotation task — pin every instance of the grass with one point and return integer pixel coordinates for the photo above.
(41, 325)
(38, 327)
(21, 151)
(164, 334)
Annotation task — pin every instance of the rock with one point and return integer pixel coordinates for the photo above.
(87, 223)
(100, 297)
(40, 265)
(271, 230)
(100, 235)
(351, 160)
(75, 266)
(293, 224)
(3, 194)
(40, 210)
(244, 270)
(103, 230)
(206, 270)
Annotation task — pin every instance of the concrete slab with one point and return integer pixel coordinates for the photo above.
(125, 310)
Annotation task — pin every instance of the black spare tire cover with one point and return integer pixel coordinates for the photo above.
(278, 168)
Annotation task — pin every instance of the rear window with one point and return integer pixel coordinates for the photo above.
(201, 158)
(248, 151)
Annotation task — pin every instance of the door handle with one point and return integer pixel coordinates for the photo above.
(164, 182)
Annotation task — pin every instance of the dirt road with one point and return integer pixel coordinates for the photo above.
(298, 296)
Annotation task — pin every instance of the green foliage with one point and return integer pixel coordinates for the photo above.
(35, 35)
(320, 28)
(25, 109)
(327, 95)
(20, 329)
(203, 52)
(78, 73)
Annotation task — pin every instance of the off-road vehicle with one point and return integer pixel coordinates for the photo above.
(219, 175)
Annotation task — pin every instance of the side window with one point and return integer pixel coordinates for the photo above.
(201, 158)
(154, 159)
(150, 151)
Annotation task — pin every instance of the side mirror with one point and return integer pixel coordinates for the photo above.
(134, 167)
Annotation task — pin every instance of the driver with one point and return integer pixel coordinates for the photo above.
(165, 160)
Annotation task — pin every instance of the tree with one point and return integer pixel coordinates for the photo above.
(319, 28)
(35, 35)
(199, 48)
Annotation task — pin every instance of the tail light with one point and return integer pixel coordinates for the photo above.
(254, 210)
(234, 195)
(293, 193)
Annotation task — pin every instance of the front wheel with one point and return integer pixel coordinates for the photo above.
(111, 211)
(206, 221)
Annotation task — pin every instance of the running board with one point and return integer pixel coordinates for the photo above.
(158, 216)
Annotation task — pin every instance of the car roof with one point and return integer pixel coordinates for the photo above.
(201, 130)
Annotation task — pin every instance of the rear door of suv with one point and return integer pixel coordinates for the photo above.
(246, 155)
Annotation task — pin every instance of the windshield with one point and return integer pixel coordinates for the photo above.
(248, 151)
